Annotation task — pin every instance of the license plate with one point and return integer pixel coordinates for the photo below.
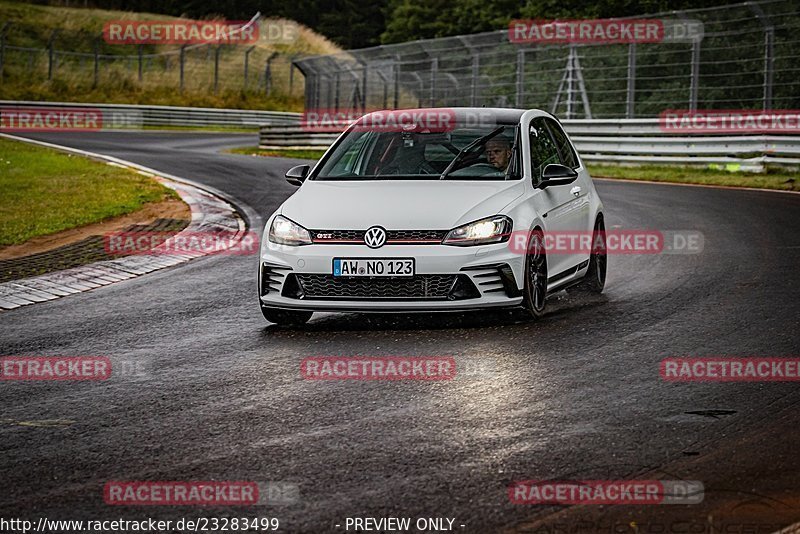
(373, 267)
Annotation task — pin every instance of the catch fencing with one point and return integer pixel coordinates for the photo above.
(81, 60)
(745, 56)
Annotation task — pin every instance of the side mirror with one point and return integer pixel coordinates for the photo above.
(556, 174)
(297, 175)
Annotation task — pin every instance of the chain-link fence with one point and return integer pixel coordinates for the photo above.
(746, 58)
(84, 61)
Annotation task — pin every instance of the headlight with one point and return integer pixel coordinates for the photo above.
(286, 232)
(491, 230)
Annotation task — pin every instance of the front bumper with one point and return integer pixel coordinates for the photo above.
(300, 278)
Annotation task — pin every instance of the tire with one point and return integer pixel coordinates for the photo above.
(285, 317)
(535, 291)
(595, 278)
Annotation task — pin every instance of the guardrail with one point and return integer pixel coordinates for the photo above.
(624, 141)
(138, 116)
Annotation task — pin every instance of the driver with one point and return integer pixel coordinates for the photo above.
(498, 152)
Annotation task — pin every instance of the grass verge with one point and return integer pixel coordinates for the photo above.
(297, 154)
(782, 180)
(46, 191)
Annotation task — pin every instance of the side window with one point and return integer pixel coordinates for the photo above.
(543, 149)
(350, 159)
(568, 156)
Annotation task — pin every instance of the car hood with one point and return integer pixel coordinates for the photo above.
(399, 205)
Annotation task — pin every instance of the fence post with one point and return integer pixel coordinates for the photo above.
(338, 84)
(695, 79)
(396, 81)
(139, 55)
(520, 77)
(570, 79)
(182, 61)
(247, 64)
(216, 67)
(476, 66)
(96, 61)
(631, 98)
(769, 58)
(268, 74)
(51, 54)
(364, 89)
(316, 94)
(476, 62)
(267, 80)
(3, 31)
(385, 83)
(385, 90)
(328, 91)
(434, 74)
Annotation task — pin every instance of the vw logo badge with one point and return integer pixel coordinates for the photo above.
(375, 237)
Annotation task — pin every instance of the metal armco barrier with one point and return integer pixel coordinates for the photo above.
(136, 116)
(293, 137)
(626, 141)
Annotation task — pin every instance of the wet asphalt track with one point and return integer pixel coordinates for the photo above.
(575, 396)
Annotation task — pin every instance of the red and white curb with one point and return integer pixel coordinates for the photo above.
(210, 214)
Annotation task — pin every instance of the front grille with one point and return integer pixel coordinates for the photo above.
(419, 287)
(396, 237)
(321, 236)
(415, 235)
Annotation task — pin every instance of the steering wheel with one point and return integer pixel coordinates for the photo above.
(485, 167)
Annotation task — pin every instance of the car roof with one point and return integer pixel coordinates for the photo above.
(466, 114)
(501, 115)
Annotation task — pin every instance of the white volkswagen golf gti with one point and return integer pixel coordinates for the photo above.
(414, 210)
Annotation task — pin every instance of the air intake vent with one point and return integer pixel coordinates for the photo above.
(272, 277)
(419, 287)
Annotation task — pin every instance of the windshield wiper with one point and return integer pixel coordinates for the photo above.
(467, 149)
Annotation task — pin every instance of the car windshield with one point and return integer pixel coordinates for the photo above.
(483, 153)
